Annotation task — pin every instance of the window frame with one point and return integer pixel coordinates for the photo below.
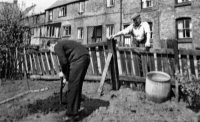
(81, 7)
(111, 28)
(81, 36)
(67, 28)
(142, 4)
(151, 29)
(109, 3)
(50, 16)
(184, 29)
(183, 3)
(63, 11)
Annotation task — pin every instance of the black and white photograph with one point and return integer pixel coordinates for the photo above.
(99, 60)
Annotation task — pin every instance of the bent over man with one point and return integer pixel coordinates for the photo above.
(74, 60)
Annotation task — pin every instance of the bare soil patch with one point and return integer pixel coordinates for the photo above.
(125, 105)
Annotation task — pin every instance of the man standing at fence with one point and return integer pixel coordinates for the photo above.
(74, 60)
(139, 30)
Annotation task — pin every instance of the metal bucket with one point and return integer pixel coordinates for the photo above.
(157, 86)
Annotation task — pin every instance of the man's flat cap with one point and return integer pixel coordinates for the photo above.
(135, 15)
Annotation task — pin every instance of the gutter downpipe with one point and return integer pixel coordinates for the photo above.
(120, 19)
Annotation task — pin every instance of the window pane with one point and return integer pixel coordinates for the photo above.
(81, 7)
(180, 25)
(180, 1)
(180, 34)
(109, 30)
(187, 23)
(187, 33)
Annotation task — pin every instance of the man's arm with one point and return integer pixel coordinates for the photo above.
(62, 58)
(122, 32)
(148, 34)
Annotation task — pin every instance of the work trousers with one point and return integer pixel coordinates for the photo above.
(77, 72)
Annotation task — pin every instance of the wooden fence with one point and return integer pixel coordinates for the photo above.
(128, 64)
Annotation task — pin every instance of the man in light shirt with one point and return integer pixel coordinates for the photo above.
(139, 30)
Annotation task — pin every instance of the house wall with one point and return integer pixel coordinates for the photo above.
(163, 15)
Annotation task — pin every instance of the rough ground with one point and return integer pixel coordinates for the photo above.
(125, 105)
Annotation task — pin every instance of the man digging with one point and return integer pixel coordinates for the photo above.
(74, 61)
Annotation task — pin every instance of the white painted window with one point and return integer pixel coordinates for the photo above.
(147, 3)
(110, 3)
(183, 1)
(50, 15)
(109, 30)
(67, 30)
(62, 11)
(81, 7)
(80, 33)
(184, 28)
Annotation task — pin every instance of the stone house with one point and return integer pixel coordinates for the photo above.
(91, 21)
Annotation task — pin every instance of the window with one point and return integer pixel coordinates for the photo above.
(110, 3)
(147, 4)
(50, 18)
(184, 28)
(109, 30)
(81, 7)
(67, 30)
(62, 11)
(182, 1)
(94, 34)
(127, 38)
(80, 33)
(151, 28)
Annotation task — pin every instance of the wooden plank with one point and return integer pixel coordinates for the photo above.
(132, 62)
(98, 60)
(102, 57)
(48, 64)
(155, 61)
(129, 62)
(95, 62)
(119, 62)
(104, 52)
(56, 63)
(31, 63)
(137, 64)
(104, 73)
(53, 63)
(35, 64)
(123, 64)
(43, 65)
(91, 61)
(189, 67)
(180, 64)
(132, 79)
(142, 50)
(39, 63)
(152, 65)
(103, 43)
(159, 62)
(25, 60)
(144, 64)
(126, 64)
(196, 67)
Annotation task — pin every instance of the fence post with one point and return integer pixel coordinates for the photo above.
(114, 65)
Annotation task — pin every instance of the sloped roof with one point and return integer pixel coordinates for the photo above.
(62, 2)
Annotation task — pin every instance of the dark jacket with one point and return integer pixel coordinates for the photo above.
(69, 51)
